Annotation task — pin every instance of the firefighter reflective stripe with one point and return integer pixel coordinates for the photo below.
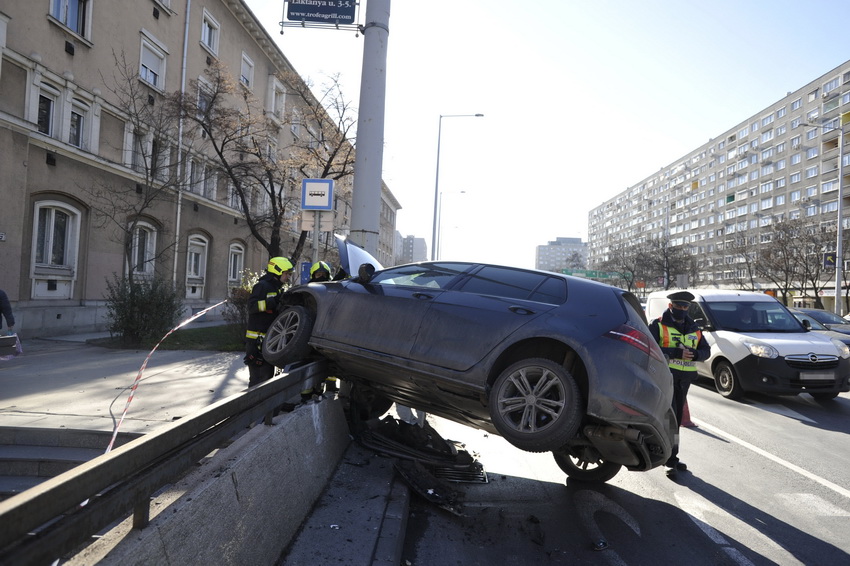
(253, 334)
(261, 306)
(672, 338)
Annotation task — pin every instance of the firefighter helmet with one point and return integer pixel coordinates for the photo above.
(279, 265)
(319, 267)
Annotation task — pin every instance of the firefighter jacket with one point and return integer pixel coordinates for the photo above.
(262, 305)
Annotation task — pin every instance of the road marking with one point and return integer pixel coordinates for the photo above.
(783, 410)
(697, 507)
(814, 504)
(794, 468)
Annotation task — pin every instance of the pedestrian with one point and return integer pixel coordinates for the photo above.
(320, 272)
(6, 312)
(262, 310)
(683, 344)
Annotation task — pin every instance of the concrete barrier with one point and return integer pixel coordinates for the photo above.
(244, 504)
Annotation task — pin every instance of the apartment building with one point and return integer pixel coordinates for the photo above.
(560, 254)
(65, 134)
(781, 163)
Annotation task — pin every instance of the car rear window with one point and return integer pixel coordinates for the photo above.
(516, 284)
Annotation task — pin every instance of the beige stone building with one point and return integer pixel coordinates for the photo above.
(64, 131)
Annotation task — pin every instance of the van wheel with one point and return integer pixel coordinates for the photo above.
(726, 381)
(818, 396)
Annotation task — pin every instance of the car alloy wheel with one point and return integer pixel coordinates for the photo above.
(287, 339)
(586, 470)
(535, 405)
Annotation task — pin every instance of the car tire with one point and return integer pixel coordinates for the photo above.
(726, 381)
(287, 339)
(824, 396)
(535, 404)
(584, 470)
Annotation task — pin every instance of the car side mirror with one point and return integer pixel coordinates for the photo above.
(365, 273)
(807, 325)
(701, 322)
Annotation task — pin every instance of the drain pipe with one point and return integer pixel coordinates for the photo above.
(179, 147)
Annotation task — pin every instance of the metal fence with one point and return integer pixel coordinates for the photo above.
(60, 515)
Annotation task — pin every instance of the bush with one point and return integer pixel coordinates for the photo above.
(142, 311)
(235, 310)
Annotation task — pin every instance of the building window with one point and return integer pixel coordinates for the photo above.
(144, 249)
(77, 134)
(209, 182)
(246, 76)
(196, 176)
(138, 157)
(812, 172)
(210, 30)
(152, 67)
(196, 266)
(73, 14)
(276, 98)
(797, 104)
(236, 263)
(46, 112)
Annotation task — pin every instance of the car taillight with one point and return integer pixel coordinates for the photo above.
(637, 338)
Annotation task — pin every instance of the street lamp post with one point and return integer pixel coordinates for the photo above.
(439, 245)
(437, 181)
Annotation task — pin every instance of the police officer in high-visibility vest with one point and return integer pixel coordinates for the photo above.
(262, 310)
(683, 344)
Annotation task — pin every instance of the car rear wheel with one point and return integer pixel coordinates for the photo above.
(535, 405)
(287, 339)
(580, 469)
(726, 381)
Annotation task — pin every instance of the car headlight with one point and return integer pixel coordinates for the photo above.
(843, 349)
(762, 350)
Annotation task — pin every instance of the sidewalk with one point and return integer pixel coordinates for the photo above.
(65, 382)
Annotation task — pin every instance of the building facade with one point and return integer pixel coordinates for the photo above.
(560, 254)
(414, 249)
(67, 139)
(780, 164)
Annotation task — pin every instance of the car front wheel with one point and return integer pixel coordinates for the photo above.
(287, 339)
(726, 381)
(598, 471)
(536, 405)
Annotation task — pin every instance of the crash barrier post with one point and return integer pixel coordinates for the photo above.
(47, 521)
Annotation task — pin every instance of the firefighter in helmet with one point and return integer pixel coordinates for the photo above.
(262, 310)
(320, 272)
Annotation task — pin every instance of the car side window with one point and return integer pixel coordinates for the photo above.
(509, 283)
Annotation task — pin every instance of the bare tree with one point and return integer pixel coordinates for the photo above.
(264, 177)
(743, 248)
(628, 261)
(122, 206)
(778, 260)
(813, 275)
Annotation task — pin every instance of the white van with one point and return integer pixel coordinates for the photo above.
(758, 345)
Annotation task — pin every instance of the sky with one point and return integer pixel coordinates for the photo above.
(581, 100)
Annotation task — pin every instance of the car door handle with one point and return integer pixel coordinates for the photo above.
(520, 310)
(423, 296)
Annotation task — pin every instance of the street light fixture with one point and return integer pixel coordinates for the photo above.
(437, 181)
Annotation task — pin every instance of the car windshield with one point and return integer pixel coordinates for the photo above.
(825, 317)
(744, 316)
(433, 275)
(815, 325)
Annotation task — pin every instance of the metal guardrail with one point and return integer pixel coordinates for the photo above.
(50, 520)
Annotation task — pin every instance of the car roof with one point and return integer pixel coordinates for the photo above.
(720, 295)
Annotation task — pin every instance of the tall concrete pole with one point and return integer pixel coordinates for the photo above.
(368, 163)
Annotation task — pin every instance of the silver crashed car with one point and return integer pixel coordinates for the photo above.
(549, 362)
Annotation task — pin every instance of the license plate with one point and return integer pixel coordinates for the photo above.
(812, 376)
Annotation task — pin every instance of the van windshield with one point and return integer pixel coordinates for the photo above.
(743, 316)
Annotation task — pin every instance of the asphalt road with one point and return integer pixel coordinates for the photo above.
(768, 483)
